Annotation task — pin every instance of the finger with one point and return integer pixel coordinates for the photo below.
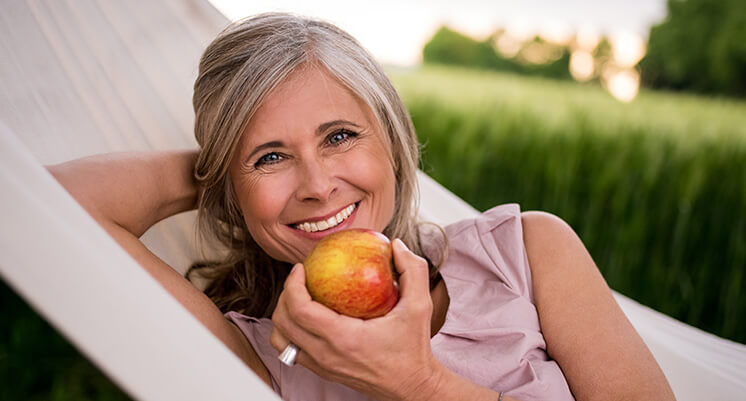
(304, 356)
(414, 277)
(284, 320)
(286, 330)
(302, 311)
(296, 277)
(288, 326)
(277, 340)
(307, 343)
(280, 343)
(295, 286)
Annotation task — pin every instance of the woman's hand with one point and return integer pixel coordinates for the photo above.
(387, 357)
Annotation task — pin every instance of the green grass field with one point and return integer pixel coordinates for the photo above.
(560, 103)
(655, 188)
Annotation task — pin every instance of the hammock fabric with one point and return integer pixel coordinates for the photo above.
(98, 76)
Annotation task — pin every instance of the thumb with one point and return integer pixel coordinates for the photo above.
(296, 277)
(413, 272)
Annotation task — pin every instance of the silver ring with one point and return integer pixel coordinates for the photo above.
(289, 354)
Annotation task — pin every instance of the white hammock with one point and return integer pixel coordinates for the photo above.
(96, 76)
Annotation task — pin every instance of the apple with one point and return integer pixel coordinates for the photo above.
(352, 272)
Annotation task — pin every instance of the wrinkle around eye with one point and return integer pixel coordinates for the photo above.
(250, 170)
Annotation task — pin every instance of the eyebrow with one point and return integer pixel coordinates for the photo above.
(272, 144)
(319, 130)
(325, 126)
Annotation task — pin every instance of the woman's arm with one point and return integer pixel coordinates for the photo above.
(388, 358)
(131, 190)
(126, 193)
(600, 353)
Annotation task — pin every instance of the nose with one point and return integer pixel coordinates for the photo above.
(316, 181)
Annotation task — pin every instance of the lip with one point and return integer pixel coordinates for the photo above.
(324, 217)
(321, 234)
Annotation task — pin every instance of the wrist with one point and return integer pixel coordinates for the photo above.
(177, 176)
(443, 384)
(427, 383)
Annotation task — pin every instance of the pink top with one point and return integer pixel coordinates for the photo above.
(491, 334)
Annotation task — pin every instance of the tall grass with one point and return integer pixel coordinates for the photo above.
(655, 188)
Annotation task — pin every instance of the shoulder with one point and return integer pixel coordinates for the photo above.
(551, 243)
(539, 225)
(562, 269)
(559, 262)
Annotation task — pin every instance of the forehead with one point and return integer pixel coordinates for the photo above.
(308, 97)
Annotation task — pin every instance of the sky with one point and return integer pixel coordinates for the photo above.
(396, 30)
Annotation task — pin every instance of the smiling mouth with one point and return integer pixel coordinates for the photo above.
(321, 225)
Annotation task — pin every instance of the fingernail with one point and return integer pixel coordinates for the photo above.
(401, 244)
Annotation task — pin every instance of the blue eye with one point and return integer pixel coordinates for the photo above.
(269, 158)
(340, 136)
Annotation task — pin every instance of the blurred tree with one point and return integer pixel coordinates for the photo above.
(701, 47)
(548, 60)
(453, 48)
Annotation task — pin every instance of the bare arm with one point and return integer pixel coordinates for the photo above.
(126, 193)
(131, 190)
(598, 349)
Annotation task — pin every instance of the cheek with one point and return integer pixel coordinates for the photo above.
(390, 192)
(372, 172)
(261, 201)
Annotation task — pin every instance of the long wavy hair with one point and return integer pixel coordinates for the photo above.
(236, 72)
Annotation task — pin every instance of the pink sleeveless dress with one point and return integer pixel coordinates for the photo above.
(491, 335)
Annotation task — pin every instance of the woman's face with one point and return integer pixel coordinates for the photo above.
(311, 162)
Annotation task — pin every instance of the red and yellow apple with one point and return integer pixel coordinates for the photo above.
(351, 271)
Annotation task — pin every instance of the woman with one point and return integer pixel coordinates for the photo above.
(301, 134)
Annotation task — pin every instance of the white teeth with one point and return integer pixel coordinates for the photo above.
(327, 224)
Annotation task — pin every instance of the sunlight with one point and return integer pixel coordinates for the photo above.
(587, 38)
(508, 45)
(582, 65)
(557, 33)
(622, 84)
(628, 48)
